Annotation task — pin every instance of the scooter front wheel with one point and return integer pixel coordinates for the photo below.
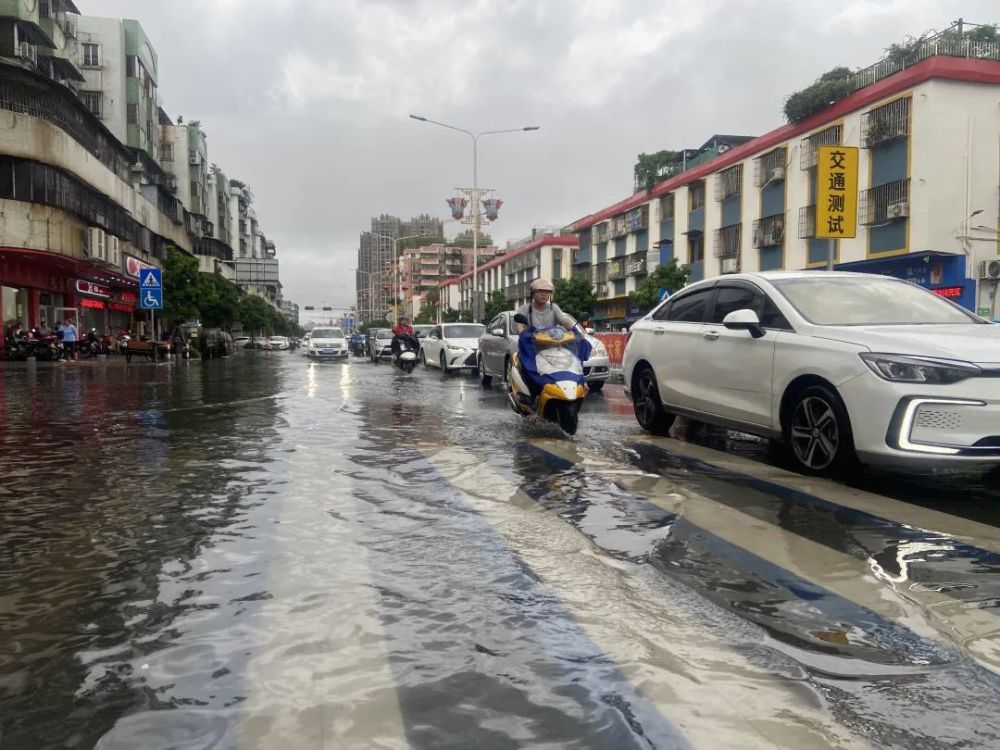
(568, 416)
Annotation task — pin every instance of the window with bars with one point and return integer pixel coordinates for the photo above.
(885, 203)
(91, 55)
(769, 231)
(808, 154)
(728, 241)
(667, 207)
(132, 114)
(770, 167)
(729, 183)
(807, 222)
(92, 101)
(556, 263)
(696, 195)
(886, 123)
(696, 248)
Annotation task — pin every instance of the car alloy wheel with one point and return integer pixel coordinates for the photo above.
(819, 433)
(647, 405)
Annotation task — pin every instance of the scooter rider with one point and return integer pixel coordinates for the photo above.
(403, 328)
(541, 312)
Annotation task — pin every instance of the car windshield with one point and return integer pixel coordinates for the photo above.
(327, 333)
(384, 334)
(858, 301)
(470, 331)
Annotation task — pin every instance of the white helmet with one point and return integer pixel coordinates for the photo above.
(542, 285)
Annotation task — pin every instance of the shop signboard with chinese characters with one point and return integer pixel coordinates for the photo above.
(94, 290)
(837, 192)
(134, 266)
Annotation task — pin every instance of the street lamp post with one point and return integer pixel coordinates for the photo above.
(371, 292)
(475, 191)
(397, 280)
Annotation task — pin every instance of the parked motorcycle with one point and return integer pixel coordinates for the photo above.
(551, 360)
(90, 346)
(406, 350)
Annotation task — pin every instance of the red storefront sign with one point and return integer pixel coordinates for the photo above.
(120, 307)
(93, 304)
(89, 287)
(950, 292)
(134, 266)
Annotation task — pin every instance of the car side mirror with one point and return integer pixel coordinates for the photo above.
(744, 320)
(497, 332)
(522, 319)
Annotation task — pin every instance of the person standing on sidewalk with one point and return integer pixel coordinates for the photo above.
(69, 339)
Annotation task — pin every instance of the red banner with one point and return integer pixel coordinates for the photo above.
(615, 344)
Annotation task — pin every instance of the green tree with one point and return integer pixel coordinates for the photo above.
(830, 87)
(670, 276)
(255, 314)
(182, 286)
(495, 304)
(647, 167)
(373, 324)
(425, 316)
(464, 239)
(218, 301)
(575, 296)
(450, 315)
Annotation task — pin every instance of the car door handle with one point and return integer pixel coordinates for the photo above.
(659, 331)
(711, 335)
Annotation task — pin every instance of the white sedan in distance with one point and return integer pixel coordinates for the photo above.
(452, 346)
(836, 366)
(327, 343)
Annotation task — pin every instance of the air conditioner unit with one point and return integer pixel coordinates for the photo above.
(990, 270)
(730, 265)
(114, 256)
(96, 247)
(193, 157)
(778, 173)
(898, 210)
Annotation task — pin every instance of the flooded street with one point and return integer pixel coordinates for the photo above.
(262, 552)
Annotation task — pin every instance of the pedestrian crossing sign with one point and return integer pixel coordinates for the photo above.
(152, 278)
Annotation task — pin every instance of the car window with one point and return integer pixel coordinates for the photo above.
(327, 333)
(494, 324)
(690, 308)
(435, 333)
(733, 298)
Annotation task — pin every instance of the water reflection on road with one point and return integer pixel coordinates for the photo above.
(263, 551)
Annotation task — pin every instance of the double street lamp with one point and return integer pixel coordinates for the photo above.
(476, 203)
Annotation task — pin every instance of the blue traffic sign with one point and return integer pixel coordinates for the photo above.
(151, 278)
(151, 299)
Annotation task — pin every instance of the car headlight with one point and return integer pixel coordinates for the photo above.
(454, 348)
(901, 368)
(599, 349)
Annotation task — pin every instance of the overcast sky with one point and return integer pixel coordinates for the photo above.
(307, 100)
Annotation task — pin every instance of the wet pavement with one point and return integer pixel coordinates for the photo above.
(263, 552)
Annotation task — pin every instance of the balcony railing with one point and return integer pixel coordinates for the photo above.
(601, 289)
(601, 232)
(635, 264)
(808, 154)
(770, 167)
(583, 273)
(949, 47)
(886, 123)
(885, 203)
(214, 248)
(616, 269)
(807, 222)
(769, 231)
(728, 241)
(600, 273)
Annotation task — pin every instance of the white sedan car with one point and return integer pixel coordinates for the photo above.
(277, 343)
(451, 346)
(326, 343)
(837, 366)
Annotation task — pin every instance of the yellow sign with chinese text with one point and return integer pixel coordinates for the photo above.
(837, 192)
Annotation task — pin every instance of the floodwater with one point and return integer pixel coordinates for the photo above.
(264, 552)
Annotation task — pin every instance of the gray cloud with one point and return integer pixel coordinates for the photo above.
(307, 100)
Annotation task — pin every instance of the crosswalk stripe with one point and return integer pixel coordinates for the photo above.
(708, 689)
(985, 536)
(926, 612)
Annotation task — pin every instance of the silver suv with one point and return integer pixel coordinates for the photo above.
(499, 341)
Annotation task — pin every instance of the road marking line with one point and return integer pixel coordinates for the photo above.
(926, 612)
(709, 690)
